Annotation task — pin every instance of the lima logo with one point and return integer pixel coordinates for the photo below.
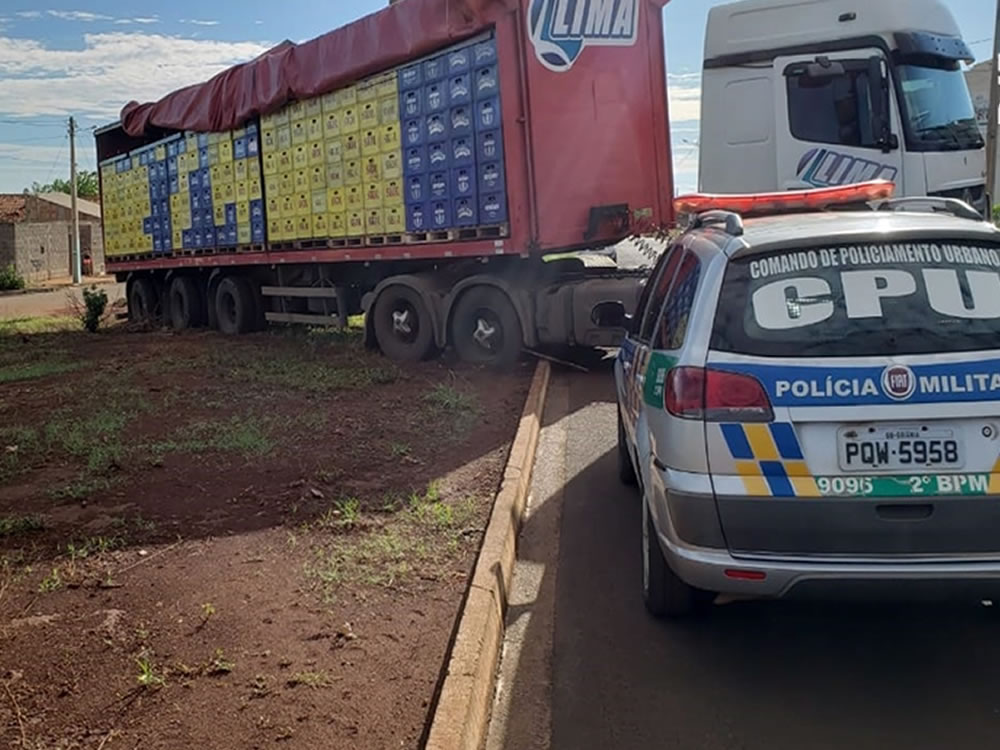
(561, 29)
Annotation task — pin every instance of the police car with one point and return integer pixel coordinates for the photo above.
(809, 400)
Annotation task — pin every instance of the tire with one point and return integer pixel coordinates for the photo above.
(235, 307)
(403, 327)
(626, 469)
(185, 303)
(143, 302)
(664, 594)
(486, 330)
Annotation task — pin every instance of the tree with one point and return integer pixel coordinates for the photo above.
(87, 186)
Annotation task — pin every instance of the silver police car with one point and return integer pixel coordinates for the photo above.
(810, 404)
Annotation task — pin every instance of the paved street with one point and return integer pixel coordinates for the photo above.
(585, 667)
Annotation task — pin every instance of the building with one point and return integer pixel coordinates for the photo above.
(978, 79)
(36, 235)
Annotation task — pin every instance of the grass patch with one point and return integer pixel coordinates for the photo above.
(97, 545)
(296, 371)
(28, 326)
(52, 582)
(34, 370)
(16, 525)
(247, 436)
(148, 676)
(312, 680)
(457, 408)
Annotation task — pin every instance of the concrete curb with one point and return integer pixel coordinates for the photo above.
(463, 711)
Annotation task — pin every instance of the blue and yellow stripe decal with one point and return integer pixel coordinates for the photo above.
(769, 459)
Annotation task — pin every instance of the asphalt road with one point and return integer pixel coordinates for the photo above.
(585, 667)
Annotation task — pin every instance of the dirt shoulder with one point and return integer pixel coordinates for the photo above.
(224, 543)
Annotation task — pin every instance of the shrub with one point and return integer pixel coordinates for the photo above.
(10, 279)
(95, 301)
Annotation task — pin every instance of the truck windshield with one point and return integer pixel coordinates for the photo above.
(939, 108)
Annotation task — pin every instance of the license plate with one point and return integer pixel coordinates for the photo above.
(899, 448)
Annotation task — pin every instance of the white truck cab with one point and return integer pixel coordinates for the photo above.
(815, 93)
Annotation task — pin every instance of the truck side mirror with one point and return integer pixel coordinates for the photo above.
(823, 69)
(878, 80)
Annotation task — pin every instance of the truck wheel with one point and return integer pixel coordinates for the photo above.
(184, 301)
(403, 326)
(626, 469)
(485, 328)
(143, 302)
(235, 307)
(664, 594)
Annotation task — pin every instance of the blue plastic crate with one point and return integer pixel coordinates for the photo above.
(256, 210)
(416, 188)
(463, 182)
(460, 61)
(194, 180)
(232, 235)
(172, 149)
(175, 185)
(436, 127)
(435, 97)
(438, 155)
(165, 206)
(486, 82)
(207, 216)
(416, 217)
(491, 177)
(165, 226)
(240, 148)
(147, 225)
(230, 213)
(435, 69)
(252, 129)
(484, 53)
(257, 233)
(460, 120)
(459, 89)
(489, 146)
(157, 244)
(439, 185)
(492, 208)
(414, 132)
(410, 77)
(171, 166)
(181, 146)
(439, 214)
(415, 160)
(195, 219)
(202, 140)
(253, 144)
(154, 198)
(186, 238)
(411, 103)
(488, 114)
(466, 212)
(203, 156)
(463, 151)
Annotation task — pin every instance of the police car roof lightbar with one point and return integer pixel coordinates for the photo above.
(761, 204)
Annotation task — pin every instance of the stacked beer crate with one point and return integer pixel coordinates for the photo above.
(332, 165)
(125, 195)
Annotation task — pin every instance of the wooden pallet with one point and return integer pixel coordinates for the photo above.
(285, 245)
(423, 238)
(381, 240)
(480, 233)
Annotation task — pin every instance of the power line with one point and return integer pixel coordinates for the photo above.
(33, 124)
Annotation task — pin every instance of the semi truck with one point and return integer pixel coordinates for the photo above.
(820, 93)
(430, 165)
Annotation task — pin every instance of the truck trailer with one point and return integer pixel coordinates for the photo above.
(421, 165)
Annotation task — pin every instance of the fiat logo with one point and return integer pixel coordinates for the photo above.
(898, 382)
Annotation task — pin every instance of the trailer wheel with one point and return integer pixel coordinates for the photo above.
(143, 301)
(402, 324)
(185, 303)
(485, 328)
(235, 307)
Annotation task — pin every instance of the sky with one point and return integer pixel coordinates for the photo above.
(89, 57)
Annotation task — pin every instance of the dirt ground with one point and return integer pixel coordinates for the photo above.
(232, 543)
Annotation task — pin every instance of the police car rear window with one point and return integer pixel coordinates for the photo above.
(862, 300)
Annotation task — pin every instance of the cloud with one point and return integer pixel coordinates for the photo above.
(111, 69)
(78, 15)
(198, 22)
(141, 19)
(29, 14)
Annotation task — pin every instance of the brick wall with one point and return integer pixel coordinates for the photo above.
(7, 255)
(42, 251)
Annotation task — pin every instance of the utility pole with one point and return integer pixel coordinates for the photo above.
(76, 216)
(994, 115)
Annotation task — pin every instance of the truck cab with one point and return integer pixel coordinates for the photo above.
(817, 93)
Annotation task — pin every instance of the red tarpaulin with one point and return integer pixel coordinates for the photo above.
(408, 29)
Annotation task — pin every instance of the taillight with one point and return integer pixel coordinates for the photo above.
(716, 396)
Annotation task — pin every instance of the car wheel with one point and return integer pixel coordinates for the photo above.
(185, 303)
(235, 308)
(486, 330)
(402, 323)
(664, 594)
(626, 469)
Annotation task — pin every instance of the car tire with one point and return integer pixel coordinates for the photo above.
(486, 329)
(143, 302)
(663, 592)
(403, 328)
(185, 303)
(235, 307)
(626, 469)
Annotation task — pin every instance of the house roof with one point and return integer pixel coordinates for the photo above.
(85, 207)
(13, 206)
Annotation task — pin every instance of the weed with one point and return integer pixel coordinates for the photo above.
(299, 371)
(15, 525)
(142, 633)
(80, 489)
(95, 301)
(449, 399)
(243, 435)
(97, 545)
(207, 611)
(399, 450)
(52, 582)
(10, 279)
(219, 664)
(33, 370)
(309, 679)
(148, 677)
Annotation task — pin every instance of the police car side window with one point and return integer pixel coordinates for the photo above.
(677, 309)
(659, 288)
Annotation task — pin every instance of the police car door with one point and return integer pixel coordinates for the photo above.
(836, 120)
(633, 359)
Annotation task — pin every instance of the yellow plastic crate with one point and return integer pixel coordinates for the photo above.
(303, 204)
(242, 212)
(317, 178)
(229, 194)
(268, 140)
(299, 133)
(284, 138)
(274, 119)
(392, 165)
(373, 169)
(273, 207)
(296, 111)
(218, 192)
(334, 175)
(367, 90)
(160, 153)
(355, 224)
(347, 96)
(349, 122)
(191, 144)
(183, 181)
(219, 214)
(369, 115)
(301, 181)
(351, 146)
(253, 168)
(331, 124)
(243, 234)
(242, 191)
(314, 128)
(352, 172)
(286, 184)
(387, 84)
(388, 110)
(373, 196)
(370, 142)
(228, 172)
(287, 206)
(375, 221)
(334, 151)
(389, 138)
(336, 224)
(213, 153)
(272, 183)
(288, 228)
(314, 106)
(274, 229)
(254, 188)
(216, 173)
(329, 102)
(335, 201)
(285, 161)
(300, 157)
(226, 152)
(392, 192)
(317, 153)
(175, 202)
(319, 226)
(304, 227)
(239, 169)
(354, 198)
(318, 205)
(395, 220)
